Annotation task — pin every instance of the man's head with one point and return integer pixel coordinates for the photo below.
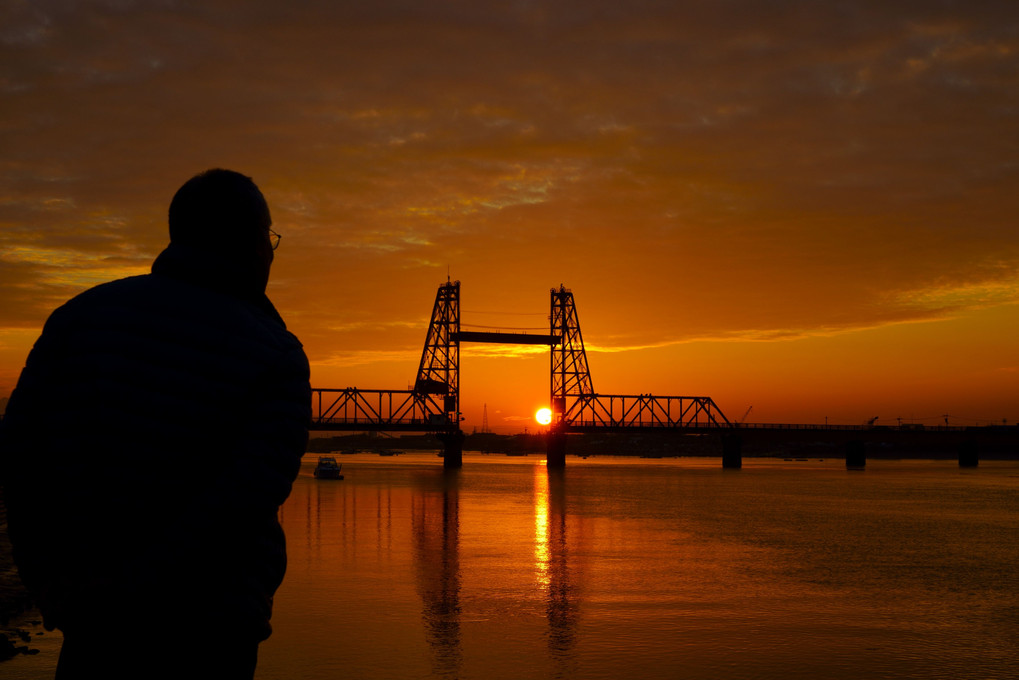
(222, 213)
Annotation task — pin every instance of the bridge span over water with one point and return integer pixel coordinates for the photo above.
(433, 404)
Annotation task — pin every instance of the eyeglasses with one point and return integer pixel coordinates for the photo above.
(274, 239)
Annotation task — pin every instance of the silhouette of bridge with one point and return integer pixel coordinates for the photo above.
(433, 405)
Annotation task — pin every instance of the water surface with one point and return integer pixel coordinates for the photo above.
(622, 567)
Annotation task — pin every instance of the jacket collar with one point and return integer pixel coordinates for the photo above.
(213, 272)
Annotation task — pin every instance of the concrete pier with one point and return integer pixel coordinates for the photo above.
(452, 449)
(856, 455)
(732, 451)
(969, 454)
(555, 451)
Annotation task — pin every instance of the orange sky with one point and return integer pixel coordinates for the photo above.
(805, 207)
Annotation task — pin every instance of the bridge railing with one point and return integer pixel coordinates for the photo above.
(358, 409)
(644, 410)
(854, 428)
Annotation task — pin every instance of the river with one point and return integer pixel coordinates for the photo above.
(644, 568)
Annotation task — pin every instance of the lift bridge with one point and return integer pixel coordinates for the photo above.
(433, 405)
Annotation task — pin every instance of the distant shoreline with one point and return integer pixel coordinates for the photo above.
(880, 444)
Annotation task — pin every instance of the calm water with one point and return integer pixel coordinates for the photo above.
(650, 569)
(623, 567)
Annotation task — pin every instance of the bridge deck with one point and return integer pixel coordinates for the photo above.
(499, 338)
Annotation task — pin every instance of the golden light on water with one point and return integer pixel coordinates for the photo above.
(541, 537)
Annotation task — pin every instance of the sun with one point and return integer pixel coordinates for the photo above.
(543, 416)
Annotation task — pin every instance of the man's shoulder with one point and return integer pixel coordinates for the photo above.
(159, 295)
(159, 303)
(121, 291)
(87, 304)
(116, 287)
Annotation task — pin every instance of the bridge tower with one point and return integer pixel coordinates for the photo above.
(576, 407)
(439, 371)
(571, 377)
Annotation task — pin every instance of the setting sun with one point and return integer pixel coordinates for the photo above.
(543, 416)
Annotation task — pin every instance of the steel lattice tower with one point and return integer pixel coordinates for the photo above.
(570, 374)
(439, 372)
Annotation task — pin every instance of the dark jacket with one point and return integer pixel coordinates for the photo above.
(156, 429)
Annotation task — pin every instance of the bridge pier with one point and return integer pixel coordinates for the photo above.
(969, 454)
(452, 449)
(856, 455)
(555, 449)
(732, 451)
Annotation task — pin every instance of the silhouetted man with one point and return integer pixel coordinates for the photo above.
(156, 429)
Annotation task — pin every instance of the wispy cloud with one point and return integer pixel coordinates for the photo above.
(365, 357)
(701, 171)
(73, 268)
(946, 298)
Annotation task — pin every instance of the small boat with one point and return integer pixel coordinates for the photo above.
(327, 468)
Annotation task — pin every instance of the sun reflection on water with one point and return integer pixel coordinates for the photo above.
(541, 538)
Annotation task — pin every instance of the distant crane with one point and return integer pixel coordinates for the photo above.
(870, 423)
(740, 421)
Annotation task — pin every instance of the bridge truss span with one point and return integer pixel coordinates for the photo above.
(357, 409)
(624, 411)
(577, 407)
(433, 405)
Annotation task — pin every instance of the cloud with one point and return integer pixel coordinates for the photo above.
(364, 357)
(707, 170)
(517, 419)
(947, 298)
(502, 351)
